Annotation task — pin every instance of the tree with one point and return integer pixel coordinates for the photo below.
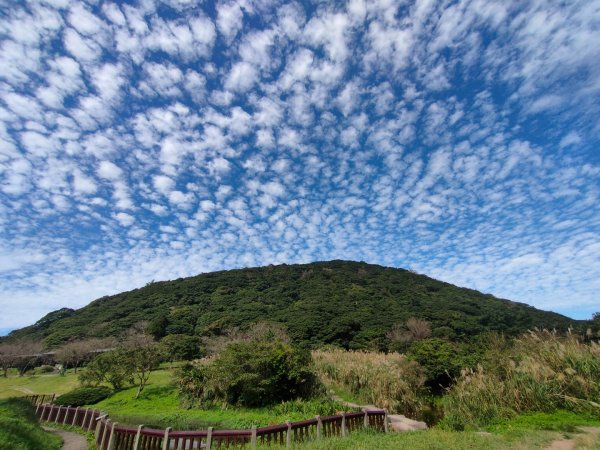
(8, 353)
(22, 354)
(177, 347)
(113, 367)
(144, 357)
(75, 353)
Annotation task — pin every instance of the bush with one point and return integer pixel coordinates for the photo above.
(19, 429)
(254, 373)
(442, 361)
(83, 396)
(46, 369)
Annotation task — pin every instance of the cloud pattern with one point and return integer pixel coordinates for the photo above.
(157, 139)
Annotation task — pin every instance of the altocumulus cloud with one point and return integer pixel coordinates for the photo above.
(158, 139)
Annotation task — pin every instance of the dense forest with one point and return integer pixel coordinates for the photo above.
(349, 304)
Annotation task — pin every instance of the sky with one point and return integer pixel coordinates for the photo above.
(151, 140)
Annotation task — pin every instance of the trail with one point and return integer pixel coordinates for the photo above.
(71, 441)
(397, 422)
(570, 443)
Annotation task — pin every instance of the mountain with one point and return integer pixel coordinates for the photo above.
(346, 303)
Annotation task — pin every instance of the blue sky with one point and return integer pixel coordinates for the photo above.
(152, 140)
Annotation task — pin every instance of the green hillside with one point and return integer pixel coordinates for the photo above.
(352, 304)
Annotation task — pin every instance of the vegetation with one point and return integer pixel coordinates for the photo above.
(335, 302)
(83, 396)
(159, 406)
(250, 374)
(389, 381)
(542, 372)
(131, 361)
(434, 440)
(19, 429)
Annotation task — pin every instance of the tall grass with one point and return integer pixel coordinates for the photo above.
(386, 380)
(542, 372)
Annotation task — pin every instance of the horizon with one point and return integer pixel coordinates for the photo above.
(159, 139)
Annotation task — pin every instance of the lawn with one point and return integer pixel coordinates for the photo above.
(15, 386)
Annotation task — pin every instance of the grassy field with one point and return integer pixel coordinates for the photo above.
(19, 430)
(15, 386)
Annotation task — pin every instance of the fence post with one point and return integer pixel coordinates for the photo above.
(366, 419)
(319, 427)
(104, 433)
(87, 410)
(165, 444)
(43, 411)
(138, 436)
(57, 414)
(97, 431)
(111, 438)
(209, 438)
(64, 422)
(75, 416)
(288, 436)
(91, 421)
(253, 438)
(385, 421)
(37, 409)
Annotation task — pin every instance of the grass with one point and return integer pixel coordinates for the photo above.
(19, 429)
(561, 420)
(435, 439)
(15, 386)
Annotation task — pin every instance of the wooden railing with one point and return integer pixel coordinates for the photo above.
(112, 436)
(38, 399)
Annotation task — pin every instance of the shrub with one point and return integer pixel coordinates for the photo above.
(543, 372)
(389, 381)
(83, 396)
(253, 373)
(46, 369)
(442, 361)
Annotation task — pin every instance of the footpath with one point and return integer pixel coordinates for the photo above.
(71, 441)
(397, 422)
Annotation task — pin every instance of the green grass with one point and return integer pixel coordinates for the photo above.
(19, 429)
(435, 439)
(15, 386)
(565, 421)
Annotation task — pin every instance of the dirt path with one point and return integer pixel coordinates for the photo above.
(397, 422)
(569, 444)
(71, 441)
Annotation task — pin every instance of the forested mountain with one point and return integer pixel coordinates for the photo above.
(352, 304)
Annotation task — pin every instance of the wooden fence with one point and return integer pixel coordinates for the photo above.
(39, 399)
(112, 436)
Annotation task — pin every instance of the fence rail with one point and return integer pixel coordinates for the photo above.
(38, 399)
(110, 435)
